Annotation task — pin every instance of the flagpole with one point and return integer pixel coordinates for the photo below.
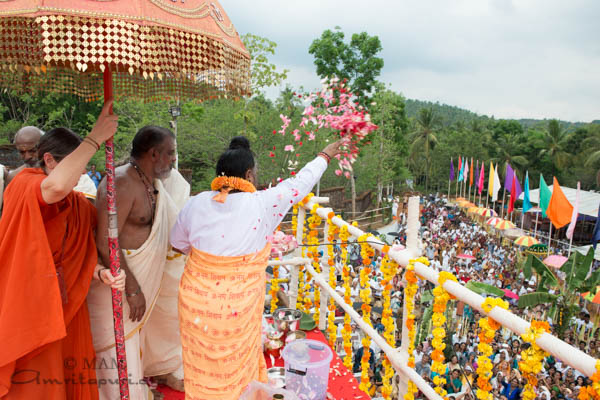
(503, 196)
(537, 214)
(549, 238)
(449, 189)
(479, 202)
(522, 218)
(570, 245)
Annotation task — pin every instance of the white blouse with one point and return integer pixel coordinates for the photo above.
(243, 223)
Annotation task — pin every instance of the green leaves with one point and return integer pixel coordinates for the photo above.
(535, 298)
(484, 288)
(264, 74)
(355, 61)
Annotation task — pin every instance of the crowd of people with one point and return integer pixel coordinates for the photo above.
(446, 233)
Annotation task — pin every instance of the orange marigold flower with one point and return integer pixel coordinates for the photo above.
(386, 249)
(330, 215)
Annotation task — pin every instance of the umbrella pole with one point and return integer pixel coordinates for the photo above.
(113, 246)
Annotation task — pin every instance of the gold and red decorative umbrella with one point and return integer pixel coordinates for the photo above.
(487, 212)
(102, 49)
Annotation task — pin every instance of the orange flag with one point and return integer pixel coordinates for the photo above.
(471, 176)
(559, 210)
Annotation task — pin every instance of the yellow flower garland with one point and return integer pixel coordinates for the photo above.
(274, 288)
(410, 292)
(592, 391)
(314, 221)
(486, 336)
(301, 284)
(347, 330)
(532, 358)
(331, 327)
(440, 302)
(367, 254)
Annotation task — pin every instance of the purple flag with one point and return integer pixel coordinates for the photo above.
(508, 181)
(451, 170)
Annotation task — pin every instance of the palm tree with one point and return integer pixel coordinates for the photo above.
(424, 139)
(555, 143)
(508, 148)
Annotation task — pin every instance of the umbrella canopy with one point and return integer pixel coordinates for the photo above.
(512, 233)
(591, 297)
(526, 241)
(493, 221)
(465, 257)
(487, 212)
(555, 261)
(504, 225)
(473, 210)
(156, 50)
(538, 249)
(510, 294)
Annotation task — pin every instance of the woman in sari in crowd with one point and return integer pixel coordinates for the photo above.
(49, 258)
(221, 296)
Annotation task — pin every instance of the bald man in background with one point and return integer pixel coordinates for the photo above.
(26, 142)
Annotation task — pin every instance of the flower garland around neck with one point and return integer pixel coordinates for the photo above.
(532, 358)
(347, 330)
(488, 328)
(367, 253)
(440, 302)
(226, 184)
(592, 391)
(410, 291)
(331, 232)
(314, 221)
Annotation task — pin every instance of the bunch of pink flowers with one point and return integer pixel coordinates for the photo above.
(333, 107)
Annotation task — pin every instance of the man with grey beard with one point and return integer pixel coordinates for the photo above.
(146, 210)
(26, 141)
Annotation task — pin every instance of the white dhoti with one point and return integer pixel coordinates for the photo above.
(152, 345)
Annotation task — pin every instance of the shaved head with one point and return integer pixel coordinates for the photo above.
(26, 142)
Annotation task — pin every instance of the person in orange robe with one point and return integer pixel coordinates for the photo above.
(48, 258)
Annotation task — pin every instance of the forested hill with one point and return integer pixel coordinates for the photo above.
(451, 115)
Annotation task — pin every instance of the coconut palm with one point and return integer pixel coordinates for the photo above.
(424, 139)
(554, 144)
(508, 148)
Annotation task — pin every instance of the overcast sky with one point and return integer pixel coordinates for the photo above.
(509, 59)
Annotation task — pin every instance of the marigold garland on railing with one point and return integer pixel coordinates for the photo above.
(410, 292)
(314, 221)
(592, 391)
(486, 336)
(367, 254)
(301, 284)
(347, 330)
(440, 302)
(274, 288)
(331, 326)
(532, 358)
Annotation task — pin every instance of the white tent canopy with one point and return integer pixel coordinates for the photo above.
(588, 201)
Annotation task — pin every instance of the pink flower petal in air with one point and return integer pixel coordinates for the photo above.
(338, 172)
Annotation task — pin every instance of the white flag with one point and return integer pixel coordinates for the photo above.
(571, 227)
(496, 185)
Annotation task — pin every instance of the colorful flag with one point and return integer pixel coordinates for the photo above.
(461, 170)
(513, 196)
(509, 178)
(496, 184)
(466, 170)
(559, 209)
(491, 180)
(526, 201)
(571, 227)
(471, 175)
(451, 170)
(477, 174)
(545, 195)
(481, 177)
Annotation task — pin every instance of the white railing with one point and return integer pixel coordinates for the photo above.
(398, 357)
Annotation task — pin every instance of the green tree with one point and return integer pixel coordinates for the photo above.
(263, 73)
(355, 61)
(555, 144)
(424, 139)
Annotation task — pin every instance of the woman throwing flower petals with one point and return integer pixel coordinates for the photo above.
(225, 231)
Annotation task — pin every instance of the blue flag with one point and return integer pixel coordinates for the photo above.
(596, 235)
(461, 172)
(526, 201)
